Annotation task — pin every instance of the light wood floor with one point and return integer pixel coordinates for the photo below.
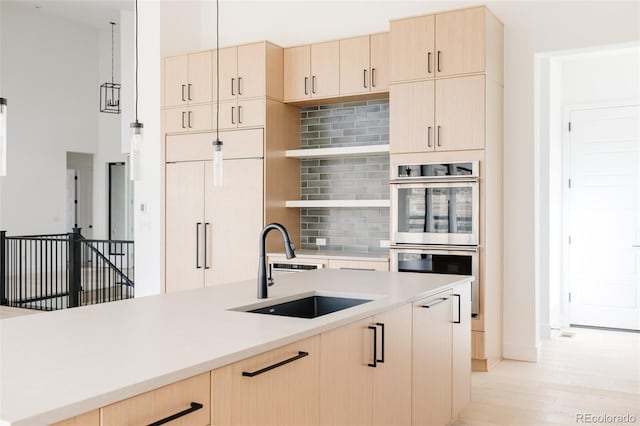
(596, 372)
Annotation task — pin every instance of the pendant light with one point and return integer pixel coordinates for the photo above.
(135, 166)
(217, 144)
(3, 137)
(110, 91)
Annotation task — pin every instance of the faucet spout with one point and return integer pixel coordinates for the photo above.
(289, 249)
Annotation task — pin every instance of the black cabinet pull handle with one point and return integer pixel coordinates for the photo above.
(313, 84)
(232, 91)
(429, 62)
(198, 245)
(375, 344)
(233, 112)
(183, 99)
(189, 119)
(438, 136)
(459, 312)
(364, 78)
(429, 136)
(373, 77)
(381, 325)
(183, 114)
(239, 85)
(437, 302)
(301, 354)
(239, 113)
(306, 85)
(206, 266)
(438, 62)
(195, 406)
(189, 91)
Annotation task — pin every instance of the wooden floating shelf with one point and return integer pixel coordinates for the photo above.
(347, 151)
(338, 203)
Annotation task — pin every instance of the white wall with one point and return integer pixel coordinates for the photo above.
(49, 76)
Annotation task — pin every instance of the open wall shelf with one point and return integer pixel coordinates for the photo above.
(347, 151)
(338, 203)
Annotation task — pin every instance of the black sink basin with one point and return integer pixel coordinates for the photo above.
(310, 307)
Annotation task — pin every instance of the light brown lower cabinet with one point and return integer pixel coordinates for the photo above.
(461, 356)
(279, 387)
(366, 371)
(92, 418)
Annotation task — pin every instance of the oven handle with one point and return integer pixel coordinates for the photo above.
(400, 181)
(437, 249)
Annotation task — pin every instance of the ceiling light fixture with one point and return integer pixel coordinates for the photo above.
(217, 144)
(3, 137)
(110, 91)
(135, 166)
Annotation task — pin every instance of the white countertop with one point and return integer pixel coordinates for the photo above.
(56, 365)
(338, 255)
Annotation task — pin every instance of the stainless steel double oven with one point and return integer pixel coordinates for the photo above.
(435, 220)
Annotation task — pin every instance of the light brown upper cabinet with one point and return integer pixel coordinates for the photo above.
(312, 71)
(187, 79)
(192, 118)
(364, 64)
(445, 44)
(441, 115)
(242, 72)
(240, 114)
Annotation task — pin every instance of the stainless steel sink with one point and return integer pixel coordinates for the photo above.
(308, 307)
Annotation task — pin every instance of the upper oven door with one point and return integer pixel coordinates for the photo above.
(435, 213)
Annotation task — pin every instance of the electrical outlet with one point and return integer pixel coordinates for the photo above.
(384, 243)
(321, 241)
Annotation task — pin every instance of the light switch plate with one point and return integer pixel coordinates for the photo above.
(321, 241)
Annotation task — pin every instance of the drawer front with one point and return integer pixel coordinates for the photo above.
(360, 265)
(161, 403)
(91, 418)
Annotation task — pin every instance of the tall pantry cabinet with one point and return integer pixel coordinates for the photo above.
(211, 233)
(446, 95)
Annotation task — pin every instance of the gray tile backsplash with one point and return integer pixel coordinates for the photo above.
(360, 178)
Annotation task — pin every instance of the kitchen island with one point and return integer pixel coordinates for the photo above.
(61, 364)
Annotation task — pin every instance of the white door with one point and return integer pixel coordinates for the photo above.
(604, 217)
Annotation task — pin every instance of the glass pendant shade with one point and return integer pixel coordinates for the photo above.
(217, 163)
(3, 137)
(135, 166)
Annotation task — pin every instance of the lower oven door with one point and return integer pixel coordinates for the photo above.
(454, 261)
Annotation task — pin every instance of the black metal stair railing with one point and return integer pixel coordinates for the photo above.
(50, 272)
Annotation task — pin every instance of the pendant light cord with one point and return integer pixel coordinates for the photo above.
(136, 60)
(112, 55)
(217, 69)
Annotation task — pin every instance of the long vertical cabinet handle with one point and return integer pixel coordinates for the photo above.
(438, 62)
(313, 84)
(198, 245)
(373, 77)
(183, 114)
(183, 99)
(189, 119)
(189, 91)
(239, 113)
(239, 85)
(459, 312)
(374, 364)
(206, 265)
(233, 113)
(429, 62)
(233, 93)
(364, 78)
(306, 85)
(429, 136)
(438, 136)
(381, 325)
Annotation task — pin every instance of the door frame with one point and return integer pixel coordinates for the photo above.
(566, 162)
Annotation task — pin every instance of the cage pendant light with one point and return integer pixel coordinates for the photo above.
(217, 144)
(135, 146)
(3, 137)
(110, 91)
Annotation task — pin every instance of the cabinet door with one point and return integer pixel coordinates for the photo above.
(228, 73)
(91, 418)
(355, 76)
(233, 221)
(175, 80)
(411, 117)
(325, 69)
(346, 383)
(460, 42)
(392, 377)
(460, 113)
(461, 349)
(380, 60)
(228, 115)
(286, 395)
(251, 113)
(297, 65)
(412, 48)
(431, 387)
(175, 120)
(199, 118)
(199, 89)
(251, 70)
(184, 212)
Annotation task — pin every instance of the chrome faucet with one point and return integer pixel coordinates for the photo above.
(289, 249)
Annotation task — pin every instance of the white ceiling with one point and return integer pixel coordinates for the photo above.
(94, 13)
